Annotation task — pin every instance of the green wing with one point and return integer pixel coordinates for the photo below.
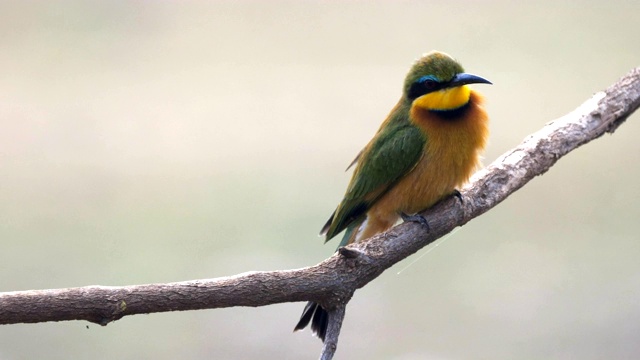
(394, 153)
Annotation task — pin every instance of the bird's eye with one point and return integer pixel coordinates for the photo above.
(424, 85)
(429, 84)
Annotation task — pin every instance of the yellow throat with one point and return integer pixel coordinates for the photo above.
(445, 99)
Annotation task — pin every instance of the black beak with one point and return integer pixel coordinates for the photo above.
(464, 79)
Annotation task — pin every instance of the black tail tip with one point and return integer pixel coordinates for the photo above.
(318, 317)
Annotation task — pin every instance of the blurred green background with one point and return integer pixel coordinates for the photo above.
(146, 142)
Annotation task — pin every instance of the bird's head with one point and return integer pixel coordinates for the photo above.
(438, 82)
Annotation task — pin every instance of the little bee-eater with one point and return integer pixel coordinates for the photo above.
(428, 146)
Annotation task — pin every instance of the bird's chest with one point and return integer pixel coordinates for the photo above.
(438, 174)
(450, 156)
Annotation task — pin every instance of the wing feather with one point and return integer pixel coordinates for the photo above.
(392, 154)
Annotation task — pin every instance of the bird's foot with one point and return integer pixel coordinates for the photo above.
(457, 194)
(415, 218)
(350, 253)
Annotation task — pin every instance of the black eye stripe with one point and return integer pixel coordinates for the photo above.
(423, 86)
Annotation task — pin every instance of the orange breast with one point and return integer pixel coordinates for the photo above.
(451, 155)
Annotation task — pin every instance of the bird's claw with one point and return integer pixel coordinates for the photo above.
(350, 253)
(415, 218)
(457, 194)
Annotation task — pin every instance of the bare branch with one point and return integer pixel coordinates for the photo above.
(332, 282)
(336, 317)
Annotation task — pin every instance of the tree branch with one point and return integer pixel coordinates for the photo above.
(336, 316)
(332, 282)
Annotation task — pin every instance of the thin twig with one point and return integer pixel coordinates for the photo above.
(336, 316)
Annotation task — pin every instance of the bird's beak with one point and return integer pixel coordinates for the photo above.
(464, 79)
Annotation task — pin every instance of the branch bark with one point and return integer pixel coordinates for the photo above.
(332, 282)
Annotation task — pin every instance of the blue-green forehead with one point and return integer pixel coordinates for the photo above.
(427, 78)
(434, 66)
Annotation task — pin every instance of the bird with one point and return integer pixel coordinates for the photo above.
(429, 145)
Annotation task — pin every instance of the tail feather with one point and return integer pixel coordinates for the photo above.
(314, 313)
(351, 232)
(325, 228)
(318, 317)
(307, 315)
